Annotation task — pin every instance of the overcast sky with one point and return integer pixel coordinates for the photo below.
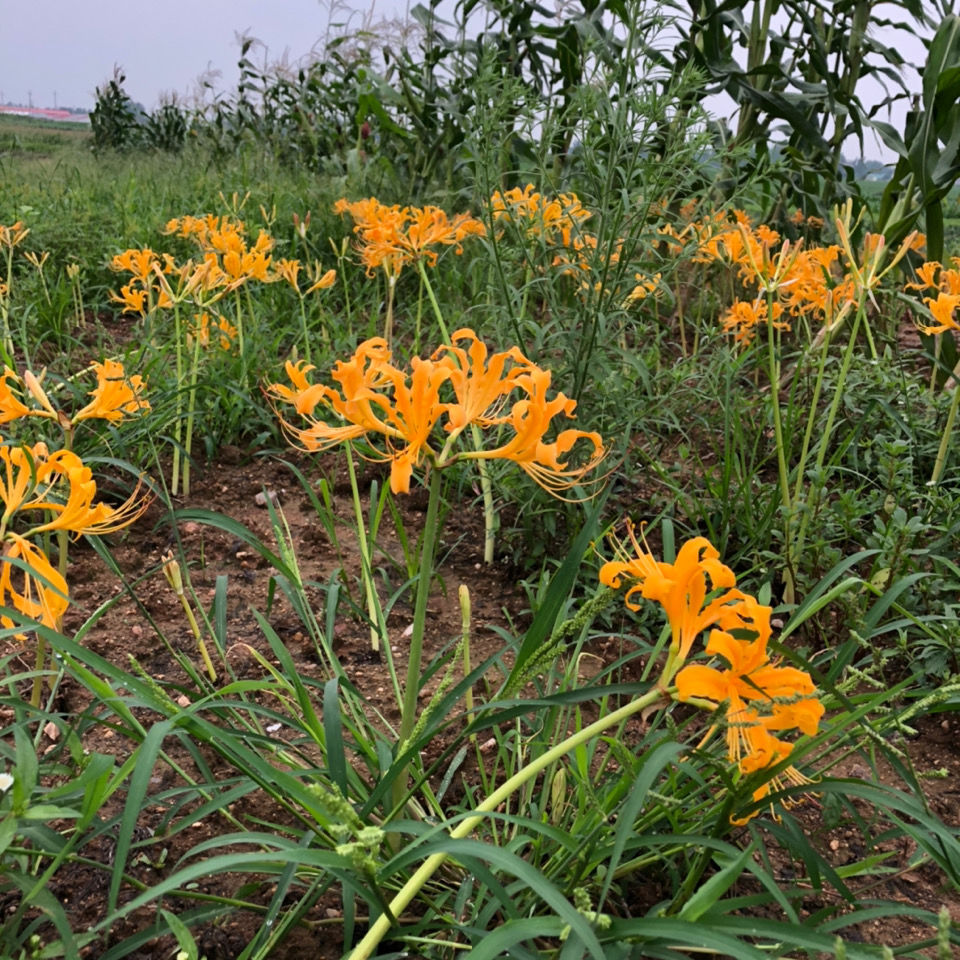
(56, 52)
(63, 49)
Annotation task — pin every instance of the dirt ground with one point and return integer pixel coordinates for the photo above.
(231, 486)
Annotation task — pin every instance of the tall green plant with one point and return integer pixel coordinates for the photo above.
(798, 84)
(928, 154)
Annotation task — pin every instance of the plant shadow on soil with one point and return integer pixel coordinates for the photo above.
(131, 629)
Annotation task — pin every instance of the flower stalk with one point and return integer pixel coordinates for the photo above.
(486, 486)
(947, 429)
(369, 587)
(171, 570)
(381, 926)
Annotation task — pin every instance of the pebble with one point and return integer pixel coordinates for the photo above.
(261, 498)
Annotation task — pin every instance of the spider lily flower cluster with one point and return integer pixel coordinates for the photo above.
(417, 415)
(57, 485)
(44, 491)
(557, 222)
(115, 397)
(226, 262)
(391, 237)
(820, 281)
(538, 215)
(944, 282)
(759, 698)
(207, 331)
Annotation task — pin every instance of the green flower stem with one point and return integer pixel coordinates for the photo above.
(388, 321)
(788, 544)
(831, 418)
(527, 279)
(947, 430)
(81, 320)
(812, 416)
(191, 412)
(5, 305)
(63, 544)
(341, 255)
(303, 324)
(368, 586)
(37, 688)
(433, 302)
(177, 426)
(380, 927)
(773, 372)
(409, 715)
(241, 339)
(486, 487)
(171, 570)
(419, 322)
(937, 338)
(464, 596)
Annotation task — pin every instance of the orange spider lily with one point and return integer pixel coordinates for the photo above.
(303, 395)
(531, 418)
(29, 480)
(392, 237)
(405, 416)
(13, 235)
(744, 318)
(749, 685)
(927, 273)
(322, 281)
(140, 263)
(480, 382)
(11, 407)
(79, 514)
(36, 589)
(378, 399)
(942, 307)
(681, 589)
(785, 692)
(644, 287)
(19, 477)
(205, 330)
(116, 395)
(539, 215)
(288, 270)
(759, 697)
(133, 300)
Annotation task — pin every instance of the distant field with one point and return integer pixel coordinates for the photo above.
(30, 135)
